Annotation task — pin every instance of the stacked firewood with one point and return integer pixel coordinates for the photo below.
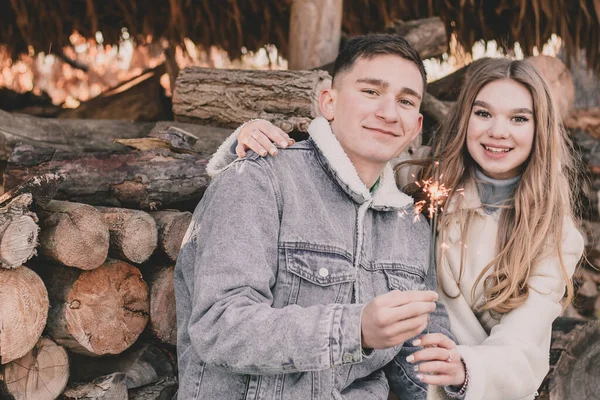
(106, 204)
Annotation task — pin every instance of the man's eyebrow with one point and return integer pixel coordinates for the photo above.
(374, 81)
(483, 104)
(385, 84)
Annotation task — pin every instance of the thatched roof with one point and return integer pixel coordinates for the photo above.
(231, 24)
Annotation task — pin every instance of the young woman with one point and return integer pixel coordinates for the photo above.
(507, 242)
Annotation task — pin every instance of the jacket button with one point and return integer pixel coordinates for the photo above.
(324, 272)
(347, 358)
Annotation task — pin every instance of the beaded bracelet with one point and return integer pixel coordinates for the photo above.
(460, 394)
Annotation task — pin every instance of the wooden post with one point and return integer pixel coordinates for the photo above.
(315, 32)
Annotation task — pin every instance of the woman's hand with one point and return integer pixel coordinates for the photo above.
(439, 362)
(259, 136)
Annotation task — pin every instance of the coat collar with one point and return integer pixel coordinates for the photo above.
(387, 196)
(466, 199)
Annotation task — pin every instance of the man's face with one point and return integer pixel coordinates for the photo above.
(374, 109)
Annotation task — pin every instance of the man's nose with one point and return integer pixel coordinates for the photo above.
(387, 110)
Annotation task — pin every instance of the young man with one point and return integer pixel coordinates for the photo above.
(302, 275)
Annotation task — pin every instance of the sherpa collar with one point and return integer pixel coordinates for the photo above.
(386, 197)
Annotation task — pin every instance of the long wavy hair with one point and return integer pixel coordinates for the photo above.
(531, 224)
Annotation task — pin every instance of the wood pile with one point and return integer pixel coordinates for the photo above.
(104, 205)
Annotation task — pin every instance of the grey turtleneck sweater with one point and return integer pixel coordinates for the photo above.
(494, 192)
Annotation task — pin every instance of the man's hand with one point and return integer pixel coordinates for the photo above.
(259, 136)
(393, 318)
(440, 363)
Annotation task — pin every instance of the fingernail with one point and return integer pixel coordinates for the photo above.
(419, 376)
(292, 140)
(416, 342)
(283, 143)
(410, 358)
(263, 153)
(416, 368)
(273, 151)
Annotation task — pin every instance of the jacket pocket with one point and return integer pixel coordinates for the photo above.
(319, 277)
(402, 276)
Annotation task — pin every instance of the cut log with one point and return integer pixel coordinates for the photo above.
(163, 318)
(172, 226)
(141, 98)
(84, 135)
(228, 98)
(162, 390)
(133, 234)
(23, 312)
(315, 33)
(18, 232)
(41, 374)
(97, 312)
(574, 368)
(42, 189)
(137, 179)
(142, 366)
(428, 35)
(111, 387)
(73, 234)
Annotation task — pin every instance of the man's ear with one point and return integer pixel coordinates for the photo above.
(327, 103)
(418, 128)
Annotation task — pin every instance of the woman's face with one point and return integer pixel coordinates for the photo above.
(501, 128)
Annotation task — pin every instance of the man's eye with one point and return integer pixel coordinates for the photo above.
(406, 102)
(370, 92)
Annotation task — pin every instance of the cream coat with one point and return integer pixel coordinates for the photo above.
(507, 358)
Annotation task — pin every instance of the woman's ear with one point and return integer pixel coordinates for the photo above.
(327, 103)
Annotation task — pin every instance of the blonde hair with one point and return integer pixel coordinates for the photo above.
(532, 223)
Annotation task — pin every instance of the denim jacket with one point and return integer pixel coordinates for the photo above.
(280, 258)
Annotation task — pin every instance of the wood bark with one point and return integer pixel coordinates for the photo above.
(133, 234)
(88, 135)
(42, 189)
(142, 366)
(110, 387)
(230, 97)
(172, 226)
(41, 374)
(163, 318)
(162, 390)
(97, 312)
(574, 369)
(428, 35)
(73, 234)
(315, 33)
(141, 98)
(23, 312)
(18, 232)
(146, 180)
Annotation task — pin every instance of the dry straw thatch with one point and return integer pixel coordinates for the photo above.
(231, 24)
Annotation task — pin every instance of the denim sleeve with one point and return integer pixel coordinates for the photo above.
(372, 387)
(401, 374)
(233, 325)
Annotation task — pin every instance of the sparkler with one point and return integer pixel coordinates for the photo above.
(436, 194)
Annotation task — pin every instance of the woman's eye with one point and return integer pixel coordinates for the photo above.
(520, 119)
(483, 113)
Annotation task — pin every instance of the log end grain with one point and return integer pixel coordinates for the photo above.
(107, 308)
(163, 318)
(23, 312)
(41, 374)
(18, 241)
